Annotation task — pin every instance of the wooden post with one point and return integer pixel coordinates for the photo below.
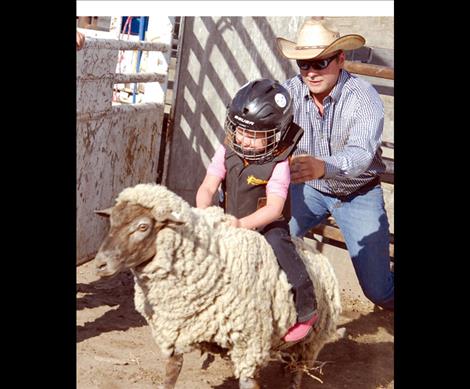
(368, 69)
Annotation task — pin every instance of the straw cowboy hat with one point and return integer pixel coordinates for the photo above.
(316, 40)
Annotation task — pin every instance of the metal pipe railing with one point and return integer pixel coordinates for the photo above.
(124, 78)
(124, 109)
(115, 44)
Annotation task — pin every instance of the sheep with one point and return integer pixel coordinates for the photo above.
(202, 284)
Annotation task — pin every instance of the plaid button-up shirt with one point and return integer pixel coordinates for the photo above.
(348, 135)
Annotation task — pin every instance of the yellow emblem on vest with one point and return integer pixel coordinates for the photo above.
(252, 180)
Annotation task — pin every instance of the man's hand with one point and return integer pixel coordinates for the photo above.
(80, 40)
(305, 167)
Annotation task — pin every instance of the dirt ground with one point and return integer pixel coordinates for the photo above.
(115, 349)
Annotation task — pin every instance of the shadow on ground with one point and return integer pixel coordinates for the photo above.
(114, 292)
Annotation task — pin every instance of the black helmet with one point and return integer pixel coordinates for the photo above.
(263, 107)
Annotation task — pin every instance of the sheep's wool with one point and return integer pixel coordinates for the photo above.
(210, 282)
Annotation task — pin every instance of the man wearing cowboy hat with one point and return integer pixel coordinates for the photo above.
(335, 169)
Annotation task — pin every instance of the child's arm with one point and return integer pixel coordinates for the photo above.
(265, 215)
(214, 176)
(206, 191)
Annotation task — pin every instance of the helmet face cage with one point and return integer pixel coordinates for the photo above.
(249, 144)
(256, 119)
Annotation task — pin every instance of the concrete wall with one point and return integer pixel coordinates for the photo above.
(219, 55)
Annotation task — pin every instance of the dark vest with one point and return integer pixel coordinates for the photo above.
(244, 186)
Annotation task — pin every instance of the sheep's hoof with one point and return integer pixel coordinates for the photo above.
(248, 383)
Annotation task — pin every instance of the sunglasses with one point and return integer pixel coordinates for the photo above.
(318, 64)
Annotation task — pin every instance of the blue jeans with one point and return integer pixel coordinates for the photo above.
(363, 221)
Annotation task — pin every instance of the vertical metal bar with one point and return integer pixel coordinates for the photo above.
(139, 55)
(168, 137)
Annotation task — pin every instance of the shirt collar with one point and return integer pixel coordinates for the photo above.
(335, 92)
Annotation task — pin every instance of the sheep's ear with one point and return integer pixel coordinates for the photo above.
(171, 217)
(176, 217)
(104, 212)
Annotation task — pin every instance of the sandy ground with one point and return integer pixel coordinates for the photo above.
(115, 349)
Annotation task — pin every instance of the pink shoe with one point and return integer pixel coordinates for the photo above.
(300, 330)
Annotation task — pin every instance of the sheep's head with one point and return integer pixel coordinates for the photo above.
(130, 241)
(131, 238)
(139, 214)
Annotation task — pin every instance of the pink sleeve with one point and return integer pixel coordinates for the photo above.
(217, 165)
(280, 179)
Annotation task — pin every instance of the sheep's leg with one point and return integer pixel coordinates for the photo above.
(172, 371)
(296, 380)
(248, 383)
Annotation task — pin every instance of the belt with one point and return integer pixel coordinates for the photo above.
(362, 190)
(371, 184)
